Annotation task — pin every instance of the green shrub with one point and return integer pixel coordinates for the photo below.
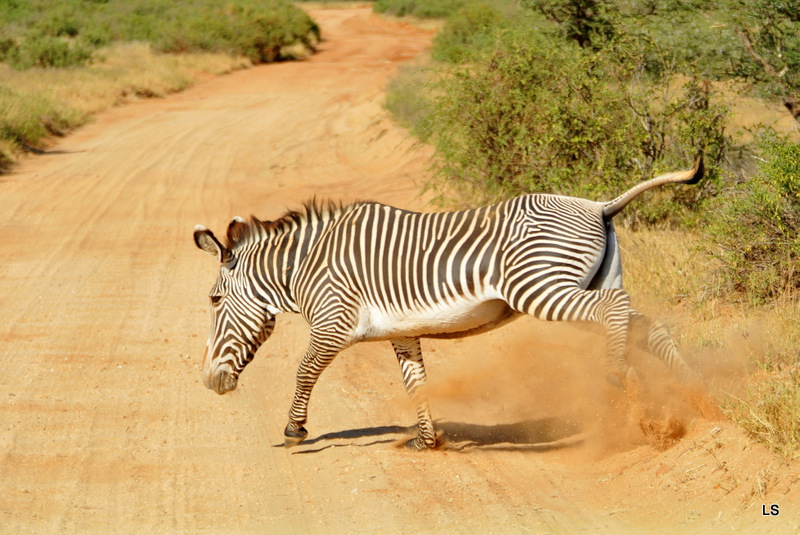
(757, 233)
(26, 119)
(586, 22)
(47, 33)
(469, 32)
(539, 115)
(406, 98)
(518, 123)
(256, 31)
(419, 8)
(47, 51)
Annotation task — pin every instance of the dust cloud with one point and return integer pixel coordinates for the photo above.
(537, 385)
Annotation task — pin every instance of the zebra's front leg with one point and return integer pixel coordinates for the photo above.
(314, 362)
(409, 355)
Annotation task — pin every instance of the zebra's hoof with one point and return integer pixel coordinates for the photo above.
(418, 444)
(294, 434)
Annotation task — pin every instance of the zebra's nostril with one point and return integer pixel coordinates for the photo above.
(224, 382)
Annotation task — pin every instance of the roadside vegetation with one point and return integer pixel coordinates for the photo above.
(587, 98)
(63, 60)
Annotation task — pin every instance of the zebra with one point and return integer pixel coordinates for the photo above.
(368, 271)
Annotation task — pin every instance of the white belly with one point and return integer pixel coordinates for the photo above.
(461, 315)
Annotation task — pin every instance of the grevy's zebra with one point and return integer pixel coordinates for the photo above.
(373, 272)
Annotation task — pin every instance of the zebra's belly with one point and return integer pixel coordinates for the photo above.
(447, 320)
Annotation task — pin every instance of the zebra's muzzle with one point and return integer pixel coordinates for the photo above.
(223, 382)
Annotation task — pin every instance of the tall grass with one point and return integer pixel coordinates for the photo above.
(39, 103)
(67, 59)
(419, 8)
(748, 354)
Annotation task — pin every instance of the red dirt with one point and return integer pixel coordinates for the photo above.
(105, 424)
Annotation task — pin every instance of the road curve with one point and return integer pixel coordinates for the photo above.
(105, 424)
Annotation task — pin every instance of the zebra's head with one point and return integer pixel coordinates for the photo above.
(240, 320)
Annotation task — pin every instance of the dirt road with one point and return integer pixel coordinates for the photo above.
(105, 424)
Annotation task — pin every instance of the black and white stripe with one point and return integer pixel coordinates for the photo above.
(368, 271)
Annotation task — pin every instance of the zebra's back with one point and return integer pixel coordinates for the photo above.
(413, 274)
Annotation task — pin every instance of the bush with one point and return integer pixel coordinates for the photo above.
(26, 119)
(46, 33)
(586, 22)
(419, 8)
(404, 97)
(538, 115)
(259, 32)
(757, 233)
(46, 51)
(517, 124)
(468, 32)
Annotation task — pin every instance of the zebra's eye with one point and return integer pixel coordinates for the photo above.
(215, 299)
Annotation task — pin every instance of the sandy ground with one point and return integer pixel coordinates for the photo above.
(106, 426)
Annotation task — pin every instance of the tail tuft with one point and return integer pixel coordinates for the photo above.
(692, 176)
(699, 171)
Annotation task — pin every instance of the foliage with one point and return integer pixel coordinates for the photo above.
(770, 410)
(757, 41)
(757, 233)
(470, 25)
(404, 100)
(49, 33)
(38, 103)
(469, 32)
(46, 51)
(586, 22)
(541, 116)
(517, 123)
(769, 31)
(419, 8)
(695, 35)
(753, 40)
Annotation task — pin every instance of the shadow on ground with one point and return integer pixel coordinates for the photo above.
(544, 434)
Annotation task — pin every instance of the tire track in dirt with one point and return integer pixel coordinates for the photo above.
(105, 424)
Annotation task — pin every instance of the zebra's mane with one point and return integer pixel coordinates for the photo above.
(241, 232)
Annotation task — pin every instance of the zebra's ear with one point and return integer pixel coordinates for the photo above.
(206, 241)
(237, 229)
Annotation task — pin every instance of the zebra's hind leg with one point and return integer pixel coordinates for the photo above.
(409, 355)
(607, 307)
(653, 336)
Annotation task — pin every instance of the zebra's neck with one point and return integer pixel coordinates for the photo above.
(277, 249)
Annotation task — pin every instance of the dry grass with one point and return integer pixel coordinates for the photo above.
(123, 71)
(750, 356)
(41, 102)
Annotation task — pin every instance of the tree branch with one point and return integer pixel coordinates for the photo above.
(792, 104)
(744, 35)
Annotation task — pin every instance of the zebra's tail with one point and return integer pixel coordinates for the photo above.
(692, 176)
